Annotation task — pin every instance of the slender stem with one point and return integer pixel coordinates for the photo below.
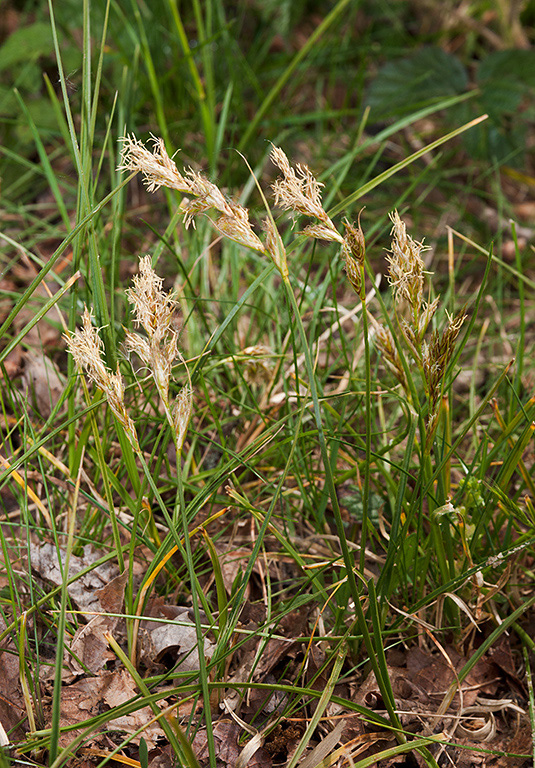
(382, 681)
(368, 421)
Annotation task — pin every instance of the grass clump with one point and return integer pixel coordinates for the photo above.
(281, 519)
(385, 434)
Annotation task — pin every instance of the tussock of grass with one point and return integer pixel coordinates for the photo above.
(263, 422)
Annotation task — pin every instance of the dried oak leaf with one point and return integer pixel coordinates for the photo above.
(84, 592)
(90, 696)
(41, 382)
(89, 647)
(173, 641)
(12, 712)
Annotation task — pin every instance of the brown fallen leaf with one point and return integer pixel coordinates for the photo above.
(175, 639)
(41, 382)
(12, 712)
(84, 592)
(89, 647)
(227, 748)
(89, 696)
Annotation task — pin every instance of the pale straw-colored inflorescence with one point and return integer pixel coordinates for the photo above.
(300, 192)
(159, 170)
(406, 275)
(354, 254)
(154, 311)
(86, 347)
(436, 356)
(432, 357)
(406, 267)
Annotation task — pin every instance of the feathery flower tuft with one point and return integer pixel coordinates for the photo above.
(86, 347)
(157, 167)
(299, 191)
(153, 311)
(406, 265)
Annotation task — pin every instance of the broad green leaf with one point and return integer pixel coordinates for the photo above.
(26, 43)
(424, 77)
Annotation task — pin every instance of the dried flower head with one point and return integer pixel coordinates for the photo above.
(298, 190)
(153, 311)
(157, 167)
(406, 268)
(86, 347)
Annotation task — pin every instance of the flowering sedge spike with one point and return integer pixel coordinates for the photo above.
(157, 167)
(160, 171)
(181, 414)
(435, 358)
(406, 268)
(208, 196)
(153, 311)
(86, 347)
(322, 232)
(238, 228)
(428, 312)
(275, 247)
(387, 347)
(354, 252)
(299, 191)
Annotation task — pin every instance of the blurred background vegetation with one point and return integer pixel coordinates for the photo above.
(215, 76)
